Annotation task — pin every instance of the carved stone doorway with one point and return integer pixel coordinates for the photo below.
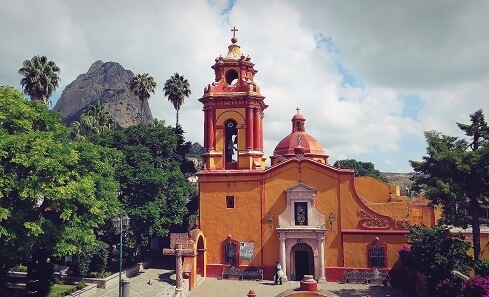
(302, 258)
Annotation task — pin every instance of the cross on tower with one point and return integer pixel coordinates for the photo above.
(298, 109)
(234, 31)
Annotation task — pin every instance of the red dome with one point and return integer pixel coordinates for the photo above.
(286, 146)
(298, 117)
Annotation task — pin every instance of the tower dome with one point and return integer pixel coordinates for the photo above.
(298, 143)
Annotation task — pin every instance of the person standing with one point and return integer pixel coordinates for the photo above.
(278, 273)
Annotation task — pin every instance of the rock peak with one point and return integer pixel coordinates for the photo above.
(107, 83)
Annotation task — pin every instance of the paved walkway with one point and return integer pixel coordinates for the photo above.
(152, 282)
(160, 281)
(224, 288)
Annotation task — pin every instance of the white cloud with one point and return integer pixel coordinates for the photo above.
(435, 50)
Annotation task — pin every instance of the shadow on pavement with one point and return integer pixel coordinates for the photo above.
(374, 291)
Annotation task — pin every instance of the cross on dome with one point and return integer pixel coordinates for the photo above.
(234, 31)
(298, 109)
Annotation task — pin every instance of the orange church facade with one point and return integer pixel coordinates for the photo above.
(314, 218)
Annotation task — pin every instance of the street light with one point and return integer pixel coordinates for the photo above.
(119, 223)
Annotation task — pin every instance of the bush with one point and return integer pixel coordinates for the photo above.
(449, 287)
(20, 268)
(436, 252)
(481, 267)
(93, 258)
(476, 286)
(80, 286)
(406, 256)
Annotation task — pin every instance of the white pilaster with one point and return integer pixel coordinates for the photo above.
(282, 255)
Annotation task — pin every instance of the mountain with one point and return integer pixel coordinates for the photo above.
(107, 83)
(403, 180)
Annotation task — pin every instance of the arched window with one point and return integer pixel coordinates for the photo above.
(231, 138)
(230, 251)
(377, 254)
(298, 126)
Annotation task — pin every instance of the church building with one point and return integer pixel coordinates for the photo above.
(310, 216)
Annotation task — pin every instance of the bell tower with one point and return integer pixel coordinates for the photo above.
(233, 114)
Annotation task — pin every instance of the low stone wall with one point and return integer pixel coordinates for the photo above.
(110, 280)
(93, 283)
(89, 290)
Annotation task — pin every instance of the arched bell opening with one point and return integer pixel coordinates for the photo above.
(231, 140)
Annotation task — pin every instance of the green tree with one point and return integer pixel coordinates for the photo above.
(456, 177)
(40, 78)
(154, 190)
(435, 252)
(143, 85)
(54, 193)
(360, 168)
(478, 130)
(94, 120)
(176, 89)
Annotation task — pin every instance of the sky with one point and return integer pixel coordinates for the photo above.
(370, 77)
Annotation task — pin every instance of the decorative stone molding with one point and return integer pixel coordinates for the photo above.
(369, 221)
(402, 224)
(301, 193)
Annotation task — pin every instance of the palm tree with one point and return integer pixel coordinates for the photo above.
(94, 120)
(40, 78)
(142, 85)
(176, 89)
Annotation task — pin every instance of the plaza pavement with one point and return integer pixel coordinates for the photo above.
(159, 281)
(235, 288)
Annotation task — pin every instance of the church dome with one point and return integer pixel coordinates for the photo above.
(299, 143)
(287, 145)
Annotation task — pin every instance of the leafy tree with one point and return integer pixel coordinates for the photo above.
(196, 149)
(183, 150)
(154, 190)
(143, 85)
(176, 89)
(94, 120)
(478, 130)
(456, 177)
(40, 78)
(54, 192)
(361, 168)
(435, 252)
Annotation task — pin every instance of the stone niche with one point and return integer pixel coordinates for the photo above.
(298, 196)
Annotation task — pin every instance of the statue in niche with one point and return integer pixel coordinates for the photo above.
(301, 213)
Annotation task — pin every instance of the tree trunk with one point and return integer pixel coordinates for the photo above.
(142, 102)
(476, 231)
(176, 125)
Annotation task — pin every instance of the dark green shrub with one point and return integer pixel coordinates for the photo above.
(436, 252)
(93, 258)
(481, 267)
(39, 273)
(80, 286)
(20, 268)
(449, 287)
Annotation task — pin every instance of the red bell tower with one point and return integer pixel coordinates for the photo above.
(233, 114)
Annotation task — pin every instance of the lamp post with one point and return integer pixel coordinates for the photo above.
(119, 223)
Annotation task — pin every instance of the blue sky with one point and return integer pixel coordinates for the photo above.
(369, 76)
